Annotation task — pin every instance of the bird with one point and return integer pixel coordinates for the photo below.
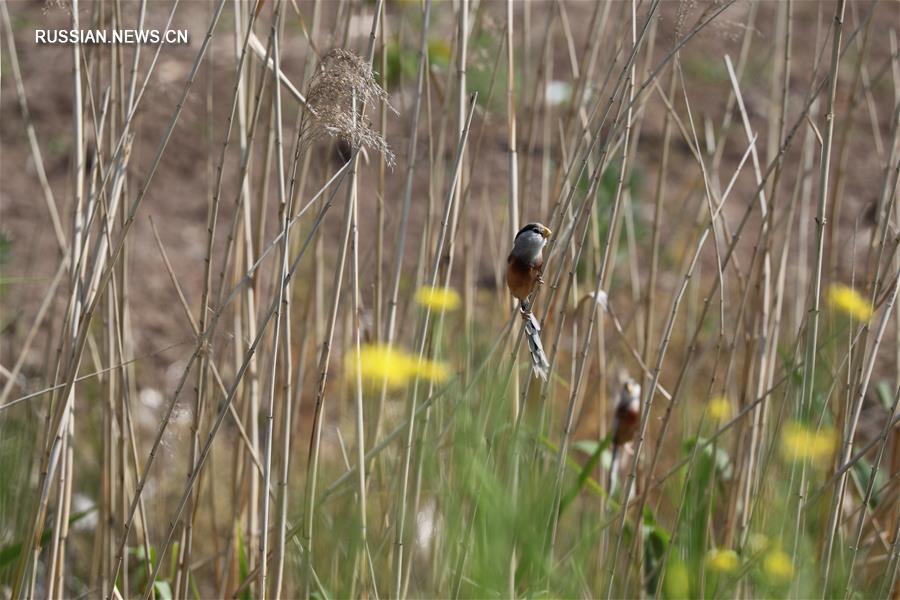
(523, 272)
(626, 419)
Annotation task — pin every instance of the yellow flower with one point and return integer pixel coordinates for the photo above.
(379, 364)
(849, 301)
(801, 443)
(777, 565)
(723, 561)
(719, 408)
(433, 371)
(438, 298)
(677, 583)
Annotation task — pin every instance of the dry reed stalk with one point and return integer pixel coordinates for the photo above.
(36, 156)
(757, 433)
(63, 437)
(895, 149)
(867, 497)
(343, 81)
(399, 253)
(624, 84)
(824, 167)
(514, 223)
(602, 123)
(281, 315)
(847, 446)
(185, 547)
(226, 404)
(659, 193)
(666, 337)
(378, 287)
(423, 336)
(854, 95)
(196, 331)
(249, 240)
(104, 276)
(513, 164)
(287, 408)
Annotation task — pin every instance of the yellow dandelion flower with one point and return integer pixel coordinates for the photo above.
(777, 565)
(849, 301)
(719, 408)
(438, 298)
(799, 442)
(723, 561)
(433, 371)
(380, 363)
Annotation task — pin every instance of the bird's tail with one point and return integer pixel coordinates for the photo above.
(613, 469)
(539, 363)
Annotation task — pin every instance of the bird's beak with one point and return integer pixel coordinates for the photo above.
(547, 233)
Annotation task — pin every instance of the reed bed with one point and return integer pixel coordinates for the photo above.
(256, 336)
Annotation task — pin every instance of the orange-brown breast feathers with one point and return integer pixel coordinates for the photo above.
(521, 277)
(627, 419)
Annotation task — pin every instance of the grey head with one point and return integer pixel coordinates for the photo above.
(530, 242)
(630, 395)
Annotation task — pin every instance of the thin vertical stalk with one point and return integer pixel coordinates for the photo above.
(281, 318)
(411, 410)
(412, 138)
(809, 371)
(325, 356)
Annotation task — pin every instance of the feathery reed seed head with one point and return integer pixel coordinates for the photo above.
(342, 88)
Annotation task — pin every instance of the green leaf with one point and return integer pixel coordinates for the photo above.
(586, 446)
(163, 590)
(590, 482)
(10, 552)
(711, 466)
(243, 565)
(885, 394)
(585, 475)
(862, 470)
(656, 541)
(5, 248)
(139, 553)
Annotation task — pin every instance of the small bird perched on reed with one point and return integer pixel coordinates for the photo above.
(626, 420)
(523, 272)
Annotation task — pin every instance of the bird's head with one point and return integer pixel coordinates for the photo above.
(538, 229)
(632, 388)
(631, 393)
(530, 241)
